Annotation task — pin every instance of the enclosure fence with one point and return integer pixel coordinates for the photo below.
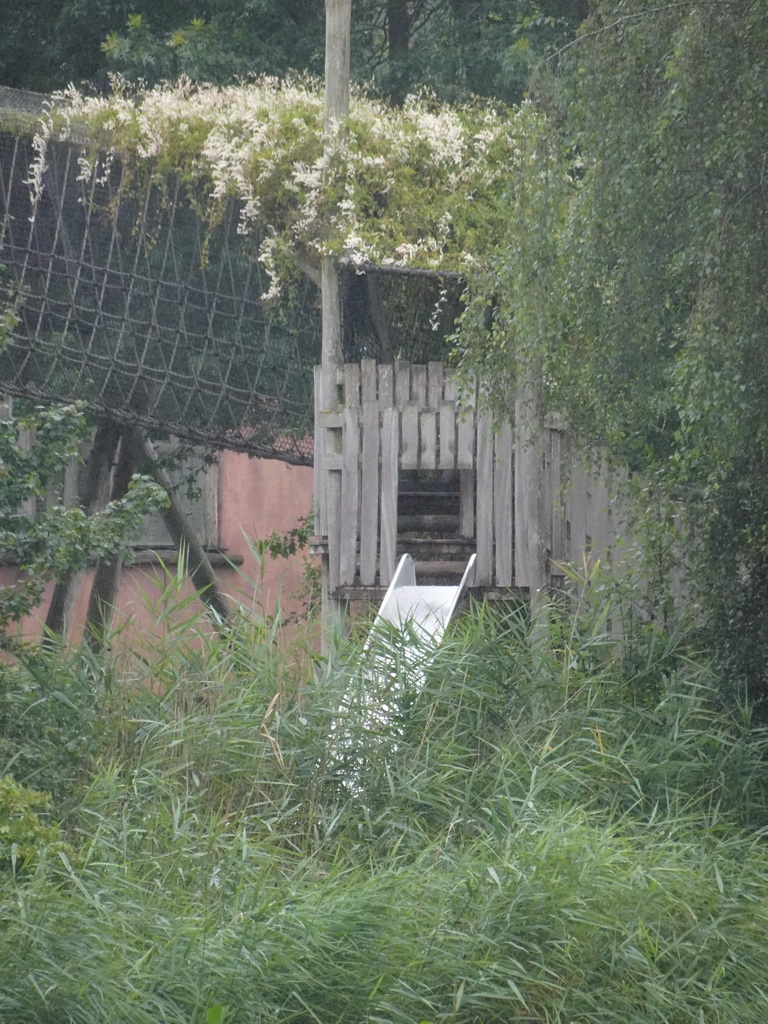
(131, 298)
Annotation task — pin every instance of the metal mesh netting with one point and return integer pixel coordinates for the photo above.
(128, 300)
(125, 300)
(391, 313)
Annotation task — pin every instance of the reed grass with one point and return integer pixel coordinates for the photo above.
(568, 834)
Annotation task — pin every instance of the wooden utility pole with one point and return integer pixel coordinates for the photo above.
(338, 17)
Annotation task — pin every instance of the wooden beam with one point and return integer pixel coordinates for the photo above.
(106, 578)
(183, 536)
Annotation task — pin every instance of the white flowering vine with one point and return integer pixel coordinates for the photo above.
(422, 185)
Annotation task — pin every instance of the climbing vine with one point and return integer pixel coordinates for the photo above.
(423, 185)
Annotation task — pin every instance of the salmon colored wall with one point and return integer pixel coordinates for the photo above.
(256, 497)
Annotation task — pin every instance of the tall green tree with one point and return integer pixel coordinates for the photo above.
(455, 48)
(635, 267)
(47, 45)
(45, 543)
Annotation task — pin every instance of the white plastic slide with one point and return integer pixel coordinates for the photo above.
(404, 638)
(427, 609)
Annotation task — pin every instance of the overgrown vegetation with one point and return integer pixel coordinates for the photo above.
(421, 185)
(48, 543)
(561, 830)
(558, 834)
(633, 271)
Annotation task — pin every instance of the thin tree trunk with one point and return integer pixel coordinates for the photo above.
(94, 497)
(398, 28)
(399, 42)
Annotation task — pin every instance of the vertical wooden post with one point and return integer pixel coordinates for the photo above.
(338, 17)
(484, 477)
(338, 21)
(531, 567)
(94, 497)
(106, 577)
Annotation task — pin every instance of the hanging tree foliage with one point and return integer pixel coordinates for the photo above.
(641, 285)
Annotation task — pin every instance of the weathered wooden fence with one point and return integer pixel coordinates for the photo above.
(521, 507)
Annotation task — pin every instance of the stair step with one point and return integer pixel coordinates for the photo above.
(435, 524)
(434, 547)
(438, 571)
(438, 504)
(406, 492)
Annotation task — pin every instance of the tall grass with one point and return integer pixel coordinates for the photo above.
(573, 833)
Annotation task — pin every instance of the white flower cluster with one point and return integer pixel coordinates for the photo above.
(409, 186)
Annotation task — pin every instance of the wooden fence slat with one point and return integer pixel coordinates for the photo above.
(447, 449)
(467, 503)
(533, 519)
(502, 504)
(546, 504)
(529, 502)
(386, 386)
(389, 487)
(484, 500)
(369, 505)
(620, 536)
(522, 567)
(428, 442)
(465, 445)
(465, 430)
(409, 458)
(350, 495)
(419, 385)
(351, 385)
(600, 507)
(402, 384)
(578, 511)
(435, 381)
(447, 425)
(368, 380)
(558, 553)
(321, 517)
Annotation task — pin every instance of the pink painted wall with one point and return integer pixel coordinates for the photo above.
(255, 498)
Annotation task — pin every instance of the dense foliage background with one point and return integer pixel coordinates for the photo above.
(634, 271)
(457, 48)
